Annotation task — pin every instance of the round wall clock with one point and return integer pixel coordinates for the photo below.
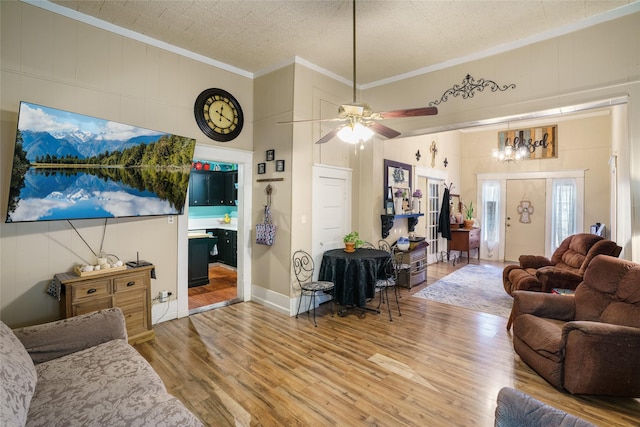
(218, 114)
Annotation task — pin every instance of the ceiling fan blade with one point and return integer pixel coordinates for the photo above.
(329, 135)
(335, 119)
(384, 130)
(410, 112)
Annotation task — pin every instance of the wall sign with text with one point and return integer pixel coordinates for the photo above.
(540, 142)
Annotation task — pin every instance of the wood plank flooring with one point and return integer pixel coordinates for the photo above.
(222, 287)
(437, 365)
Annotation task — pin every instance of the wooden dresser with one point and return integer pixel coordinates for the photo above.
(463, 240)
(416, 257)
(128, 289)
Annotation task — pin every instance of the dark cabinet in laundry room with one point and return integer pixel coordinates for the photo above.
(213, 188)
(198, 261)
(228, 247)
(230, 188)
(206, 188)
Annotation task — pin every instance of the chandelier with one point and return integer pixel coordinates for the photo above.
(510, 153)
(512, 150)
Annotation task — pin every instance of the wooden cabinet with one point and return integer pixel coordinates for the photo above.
(463, 240)
(198, 262)
(128, 289)
(417, 273)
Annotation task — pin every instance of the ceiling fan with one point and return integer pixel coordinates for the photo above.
(359, 120)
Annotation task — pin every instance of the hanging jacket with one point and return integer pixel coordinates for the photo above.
(444, 223)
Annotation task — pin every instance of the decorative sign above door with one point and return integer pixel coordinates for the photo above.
(533, 143)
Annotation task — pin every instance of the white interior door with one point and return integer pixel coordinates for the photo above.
(331, 209)
(525, 225)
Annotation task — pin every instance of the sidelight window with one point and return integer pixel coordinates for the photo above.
(563, 210)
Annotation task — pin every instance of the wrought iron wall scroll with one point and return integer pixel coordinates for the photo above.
(469, 87)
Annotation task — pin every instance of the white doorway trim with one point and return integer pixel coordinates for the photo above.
(549, 177)
(433, 175)
(244, 160)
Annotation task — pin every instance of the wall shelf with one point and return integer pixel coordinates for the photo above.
(387, 222)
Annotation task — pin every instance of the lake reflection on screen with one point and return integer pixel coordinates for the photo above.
(72, 166)
(54, 194)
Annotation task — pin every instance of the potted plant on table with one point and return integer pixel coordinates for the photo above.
(468, 216)
(352, 241)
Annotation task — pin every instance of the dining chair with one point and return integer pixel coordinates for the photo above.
(303, 267)
(389, 281)
(368, 245)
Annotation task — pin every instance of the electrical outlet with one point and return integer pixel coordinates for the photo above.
(163, 296)
(170, 219)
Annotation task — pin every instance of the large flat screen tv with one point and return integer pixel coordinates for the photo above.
(71, 166)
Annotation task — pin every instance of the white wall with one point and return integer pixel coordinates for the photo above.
(51, 60)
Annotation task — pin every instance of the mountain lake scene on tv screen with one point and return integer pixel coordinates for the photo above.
(72, 166)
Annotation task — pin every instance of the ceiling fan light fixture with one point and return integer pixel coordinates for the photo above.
(354, 134)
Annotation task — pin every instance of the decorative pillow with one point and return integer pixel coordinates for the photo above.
(17, 379)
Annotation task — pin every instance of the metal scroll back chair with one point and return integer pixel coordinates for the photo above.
(303, 267)
(389, 281)
(383, 245)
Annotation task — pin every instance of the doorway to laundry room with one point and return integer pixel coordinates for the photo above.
(213, 238)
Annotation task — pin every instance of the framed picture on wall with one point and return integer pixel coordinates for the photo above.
(397, 176)
(262, 168)
(271, 154)
(279, 165)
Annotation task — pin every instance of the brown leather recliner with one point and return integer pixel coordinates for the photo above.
(588, 343)
(565, 268)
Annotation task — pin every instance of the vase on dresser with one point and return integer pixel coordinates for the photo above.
(397, 204)
(415, 205)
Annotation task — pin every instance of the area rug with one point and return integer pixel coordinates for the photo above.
(477, 287)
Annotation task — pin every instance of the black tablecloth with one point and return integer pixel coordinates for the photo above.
(353, 274)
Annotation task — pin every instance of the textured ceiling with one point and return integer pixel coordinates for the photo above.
(393, 37)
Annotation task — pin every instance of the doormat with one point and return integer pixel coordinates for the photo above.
(476, 287)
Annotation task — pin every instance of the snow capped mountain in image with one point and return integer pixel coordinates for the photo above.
(74, 136)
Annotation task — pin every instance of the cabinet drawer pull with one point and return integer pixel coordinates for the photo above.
(131, 283)
(92, 290)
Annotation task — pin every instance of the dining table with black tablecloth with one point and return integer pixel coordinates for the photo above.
(353, 274)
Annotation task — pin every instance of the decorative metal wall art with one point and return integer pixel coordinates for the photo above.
(418, 155)
(434, 151)
(469, 87)
(525, 209)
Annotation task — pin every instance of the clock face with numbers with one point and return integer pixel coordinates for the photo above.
(218, 115)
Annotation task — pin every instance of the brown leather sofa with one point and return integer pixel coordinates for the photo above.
(565, 268)
(588, 343)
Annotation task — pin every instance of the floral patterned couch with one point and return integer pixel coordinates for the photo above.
(81, 371)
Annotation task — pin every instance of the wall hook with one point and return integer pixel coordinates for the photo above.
(268, 190)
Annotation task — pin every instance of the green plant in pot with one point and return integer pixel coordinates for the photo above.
(352, 241)
(468, 216)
